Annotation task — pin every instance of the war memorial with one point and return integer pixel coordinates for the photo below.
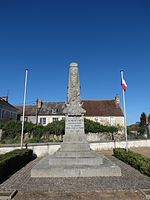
(74, 171)
(74, 158)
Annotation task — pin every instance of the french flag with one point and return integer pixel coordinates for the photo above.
(123, 83)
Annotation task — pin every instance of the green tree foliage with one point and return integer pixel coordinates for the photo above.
(38, 130)
(1, 124)
(56, 127)
(12, 130)
(95, 127)
(142, 123)
(143, 120)
(29, 127)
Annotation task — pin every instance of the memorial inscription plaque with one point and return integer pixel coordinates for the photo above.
(74, 125)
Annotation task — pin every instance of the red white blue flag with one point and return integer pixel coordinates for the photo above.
(123, 82)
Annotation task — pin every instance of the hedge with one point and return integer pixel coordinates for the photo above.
(136, 160)
(14, 160)
(38, 133)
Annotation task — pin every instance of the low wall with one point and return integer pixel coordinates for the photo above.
(110, 145)
(41, 149)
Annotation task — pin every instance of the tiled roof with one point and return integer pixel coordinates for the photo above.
(29, 110)
(48, 108)
(4, 104)
(92, 107)
(101, 108)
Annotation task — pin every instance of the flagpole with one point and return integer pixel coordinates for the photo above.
(24, 102)
(124, 109)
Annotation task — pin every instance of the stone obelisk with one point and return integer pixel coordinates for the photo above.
(74, 158)
(74, 113)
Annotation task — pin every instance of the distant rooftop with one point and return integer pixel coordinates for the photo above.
(4, 104)
(92, 107)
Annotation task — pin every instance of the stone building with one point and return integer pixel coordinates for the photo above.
(7, 111)
(106, 112)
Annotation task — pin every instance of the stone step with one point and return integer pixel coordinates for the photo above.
(84, 154)
(74, 138)
(43, 169)
(75, 147)
(75, 161)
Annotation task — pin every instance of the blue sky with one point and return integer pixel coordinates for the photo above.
(103, 36)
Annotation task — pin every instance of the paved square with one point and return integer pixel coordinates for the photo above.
(78, 188)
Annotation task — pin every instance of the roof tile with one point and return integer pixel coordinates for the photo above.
(92, 107)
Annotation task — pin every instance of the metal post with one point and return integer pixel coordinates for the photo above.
(24, 102)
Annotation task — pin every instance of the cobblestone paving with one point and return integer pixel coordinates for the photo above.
(96, 195)
(130, 179)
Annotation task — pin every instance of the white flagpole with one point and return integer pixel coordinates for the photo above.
(124, 109)
(24, 102)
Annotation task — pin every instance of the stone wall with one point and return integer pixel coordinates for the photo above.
(103, 137)
(110, 120)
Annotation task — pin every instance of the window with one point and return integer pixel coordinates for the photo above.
(43, 120)
(54, 111)
(63, 118)
(55, 119)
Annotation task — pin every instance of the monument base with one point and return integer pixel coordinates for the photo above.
(75, 159)
(44, 169)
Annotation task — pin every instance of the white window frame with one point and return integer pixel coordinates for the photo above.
(43, 120)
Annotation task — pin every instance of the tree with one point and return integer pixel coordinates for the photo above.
(12, 129)
(95, 127)
(143, 120)
(56, 127)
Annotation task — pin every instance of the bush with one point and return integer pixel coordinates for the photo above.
(56, 127)
(11, 128)
(136, 160)
(39, 133)
(95, 127)
(14, 160)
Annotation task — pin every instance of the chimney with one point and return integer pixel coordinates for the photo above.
(117, 99)
(5, 98)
